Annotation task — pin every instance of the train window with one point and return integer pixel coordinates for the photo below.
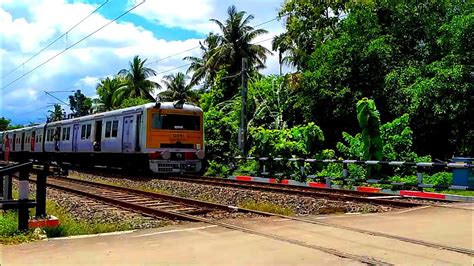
(86, 131)
(108, 129)
(83, 132)
(114, 128)
(173, 122)
(68, 133)
(63, 134)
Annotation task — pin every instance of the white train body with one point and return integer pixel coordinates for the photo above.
(163, 137)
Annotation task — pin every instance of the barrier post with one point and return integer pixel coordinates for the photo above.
(1, 185)
(328, 181)
(419, 176)
(23, 184)
(7, 187)
(41, 192)
(345, 173)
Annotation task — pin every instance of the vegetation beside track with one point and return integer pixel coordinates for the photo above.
(266, 207)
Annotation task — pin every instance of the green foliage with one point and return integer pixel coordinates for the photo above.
(216, 169)
(266, 207)
(136, 83)
(178, 89)
(57, 114)
(105, 90)
(409, 56)
(133, 102)
(369, 122)
(299, 141)
(439, 179)
(4, 123)
(80, 104)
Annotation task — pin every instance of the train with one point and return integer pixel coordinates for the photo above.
(164, 137)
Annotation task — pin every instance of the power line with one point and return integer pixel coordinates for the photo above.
(74, 44)
(53, 42)
(195, 47)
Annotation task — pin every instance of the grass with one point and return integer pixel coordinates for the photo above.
(69, 225)
(8, 229)
(266, 207)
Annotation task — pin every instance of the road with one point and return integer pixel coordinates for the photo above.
(204, 244)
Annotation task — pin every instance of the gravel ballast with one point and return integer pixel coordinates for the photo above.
(299, 205)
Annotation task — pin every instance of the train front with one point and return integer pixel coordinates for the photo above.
(175, 138)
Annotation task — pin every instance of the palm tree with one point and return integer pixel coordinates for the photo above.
(106, 89)
(136, 82)
(235, 42)
(178, 88)
(286, 51)
(200, 66)
(57, 114)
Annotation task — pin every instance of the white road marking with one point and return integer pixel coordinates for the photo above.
(94, 235)
(176, 230)
(413, 209)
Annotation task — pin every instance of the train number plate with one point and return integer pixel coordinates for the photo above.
(177, 136)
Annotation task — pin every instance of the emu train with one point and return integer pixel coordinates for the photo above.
(164, 137)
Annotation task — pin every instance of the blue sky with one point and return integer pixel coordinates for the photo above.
(154, 30)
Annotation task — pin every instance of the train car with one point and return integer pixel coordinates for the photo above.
(163, 137)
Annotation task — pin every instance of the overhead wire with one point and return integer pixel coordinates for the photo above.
(74, 44)
(57, 39)
(156, 61)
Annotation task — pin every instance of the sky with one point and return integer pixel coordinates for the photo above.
(155, 30)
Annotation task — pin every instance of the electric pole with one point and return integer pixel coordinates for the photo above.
(243, 117)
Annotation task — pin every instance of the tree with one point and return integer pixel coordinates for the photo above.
(369, 122)
(136, 83)
(4, 123)
(178, 89)
(201, 67)
(133, 102)
(80, 104)
(408, 56)
(57, 114)
(235, 42)
(105, 90)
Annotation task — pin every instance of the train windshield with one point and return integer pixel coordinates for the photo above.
(176, 122)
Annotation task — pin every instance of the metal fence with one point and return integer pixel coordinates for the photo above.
(301, 164)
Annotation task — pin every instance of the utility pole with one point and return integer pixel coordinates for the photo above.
(243, 117)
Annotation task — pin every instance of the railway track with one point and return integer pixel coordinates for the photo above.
(172, 207)
(329, 193)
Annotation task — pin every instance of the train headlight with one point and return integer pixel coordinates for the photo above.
(200, 154)
(166, 155)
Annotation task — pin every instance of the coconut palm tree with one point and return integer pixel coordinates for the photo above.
(105, 90)
(136, 83)
(57, 114)
(201, 67)
(178, 88)
(235, 42)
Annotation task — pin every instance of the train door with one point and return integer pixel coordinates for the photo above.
(75, 136)
(14, 142)
(137, 134)
(127, 134)
(98, 135)
(22, 146)
(33, 140)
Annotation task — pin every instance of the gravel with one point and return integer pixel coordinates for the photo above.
(92, 211)
(300, 205)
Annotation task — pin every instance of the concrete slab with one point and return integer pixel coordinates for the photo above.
(196, 244)
(447, 225)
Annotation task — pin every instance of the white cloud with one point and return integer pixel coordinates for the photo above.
(101, 55)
